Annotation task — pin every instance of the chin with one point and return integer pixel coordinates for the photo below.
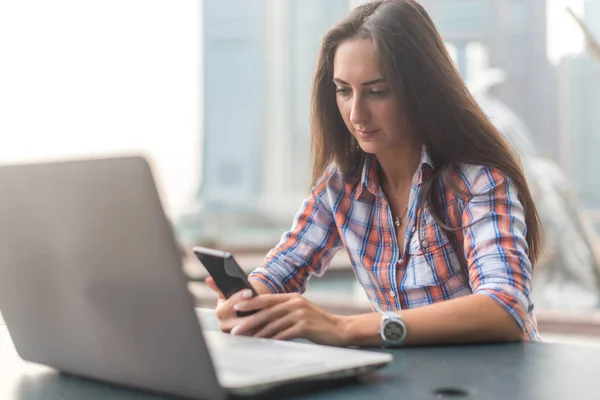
(370, 148)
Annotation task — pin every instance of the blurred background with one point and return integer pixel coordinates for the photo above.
(216, 94)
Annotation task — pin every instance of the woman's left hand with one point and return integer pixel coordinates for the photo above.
(290, 316)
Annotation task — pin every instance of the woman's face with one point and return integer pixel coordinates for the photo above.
(365, 101)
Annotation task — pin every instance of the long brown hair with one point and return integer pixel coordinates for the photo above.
(436, 102)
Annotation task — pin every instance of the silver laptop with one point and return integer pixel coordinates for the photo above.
(92, 284)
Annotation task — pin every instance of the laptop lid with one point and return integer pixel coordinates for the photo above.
(91, 278)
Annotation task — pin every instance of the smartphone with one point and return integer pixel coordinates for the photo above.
(228, 275)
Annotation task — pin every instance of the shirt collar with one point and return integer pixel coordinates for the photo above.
(370, 177)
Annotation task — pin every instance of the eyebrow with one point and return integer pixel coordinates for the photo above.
(373, 82)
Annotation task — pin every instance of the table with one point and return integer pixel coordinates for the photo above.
(502, 371)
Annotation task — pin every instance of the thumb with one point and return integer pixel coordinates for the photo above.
(210, 282)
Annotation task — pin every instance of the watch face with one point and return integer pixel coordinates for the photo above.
(393, 331)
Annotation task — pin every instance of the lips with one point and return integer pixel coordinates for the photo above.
(366, 134)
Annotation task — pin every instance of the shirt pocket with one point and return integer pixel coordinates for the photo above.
(432, 260)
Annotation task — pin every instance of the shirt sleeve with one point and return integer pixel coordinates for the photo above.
(495, 243)
(307, 248)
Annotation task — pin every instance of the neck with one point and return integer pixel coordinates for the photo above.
(399, 164)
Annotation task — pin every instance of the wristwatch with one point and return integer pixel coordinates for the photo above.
(393, 329)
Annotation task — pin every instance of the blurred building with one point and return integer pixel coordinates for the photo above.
(592, 16)
(234, 103)
(514, 33)
(580, 116)
(294, 39)
(259, 57)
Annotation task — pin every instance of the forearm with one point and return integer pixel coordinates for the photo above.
(260, 287)
(470, 319)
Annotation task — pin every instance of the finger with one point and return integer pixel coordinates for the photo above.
(296, 331)
(264, 301)
(210, 282)
(228, 318)
(225, 309)
(239, 297)
(247, 325)
(261, 318)
(228, 324)
(224, 312)
(276, 326)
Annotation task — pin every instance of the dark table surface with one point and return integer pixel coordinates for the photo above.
(505, 371)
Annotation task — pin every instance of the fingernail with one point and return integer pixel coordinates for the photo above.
(247, 293)
(235, 329)
(239, 306)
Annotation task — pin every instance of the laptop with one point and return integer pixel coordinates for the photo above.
(93, 285)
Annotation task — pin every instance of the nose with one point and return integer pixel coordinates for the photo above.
(359, 114)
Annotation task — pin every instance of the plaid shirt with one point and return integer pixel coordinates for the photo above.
(356, 216)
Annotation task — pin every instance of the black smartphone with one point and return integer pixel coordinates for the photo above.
(228, 275)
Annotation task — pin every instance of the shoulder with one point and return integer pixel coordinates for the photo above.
(474, 179)
(333, 181)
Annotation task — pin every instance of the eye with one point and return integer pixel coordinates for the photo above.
(342, 91)
(378, 92)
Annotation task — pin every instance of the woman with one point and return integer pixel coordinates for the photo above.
(418, 187)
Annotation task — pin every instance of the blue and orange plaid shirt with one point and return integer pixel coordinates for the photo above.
(355, 215)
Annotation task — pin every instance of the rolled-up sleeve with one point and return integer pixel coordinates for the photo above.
(307, 248)
(495, 243)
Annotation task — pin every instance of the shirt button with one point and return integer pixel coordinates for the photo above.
(392, 293)
(424, 243)
(413, 229)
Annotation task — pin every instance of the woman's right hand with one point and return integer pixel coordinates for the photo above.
(224, 311)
